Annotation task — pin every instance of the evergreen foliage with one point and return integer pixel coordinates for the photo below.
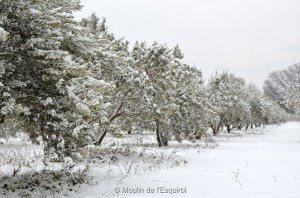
(73, 83)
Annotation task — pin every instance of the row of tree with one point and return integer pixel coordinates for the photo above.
(71, 83)
(240, 105)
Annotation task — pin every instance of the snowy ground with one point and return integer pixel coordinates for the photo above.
(254, 165)
(262, 162)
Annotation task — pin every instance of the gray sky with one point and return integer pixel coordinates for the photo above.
(248, 37)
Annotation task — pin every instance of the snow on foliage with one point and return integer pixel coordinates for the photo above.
(72, 83)
(64, 77)
(283, 86)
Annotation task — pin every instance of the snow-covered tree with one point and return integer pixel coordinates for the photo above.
(256, 101)
(177, 100)
(46, 76)
(263, 110)
(113, 64)
(282, 85)
(227, 93)
(160, 67)
(294, 99)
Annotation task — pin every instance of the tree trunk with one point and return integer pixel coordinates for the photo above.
(198, 135)
(1, 119)
(164, 139)
(214, 130)
(228, 128)
(158, 133)
(240, 126)
(101, 137)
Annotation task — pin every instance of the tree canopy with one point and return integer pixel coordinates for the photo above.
(73, 83)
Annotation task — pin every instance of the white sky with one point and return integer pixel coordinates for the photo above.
(248, 37)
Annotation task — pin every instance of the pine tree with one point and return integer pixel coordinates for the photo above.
(227, 92)
(45, 74)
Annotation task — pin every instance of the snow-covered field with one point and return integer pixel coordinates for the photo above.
(257, 163)
(263, 164)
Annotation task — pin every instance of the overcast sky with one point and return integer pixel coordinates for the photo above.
(248, 37)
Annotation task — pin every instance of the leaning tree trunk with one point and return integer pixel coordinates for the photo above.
(214, 130)
(101, 137)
